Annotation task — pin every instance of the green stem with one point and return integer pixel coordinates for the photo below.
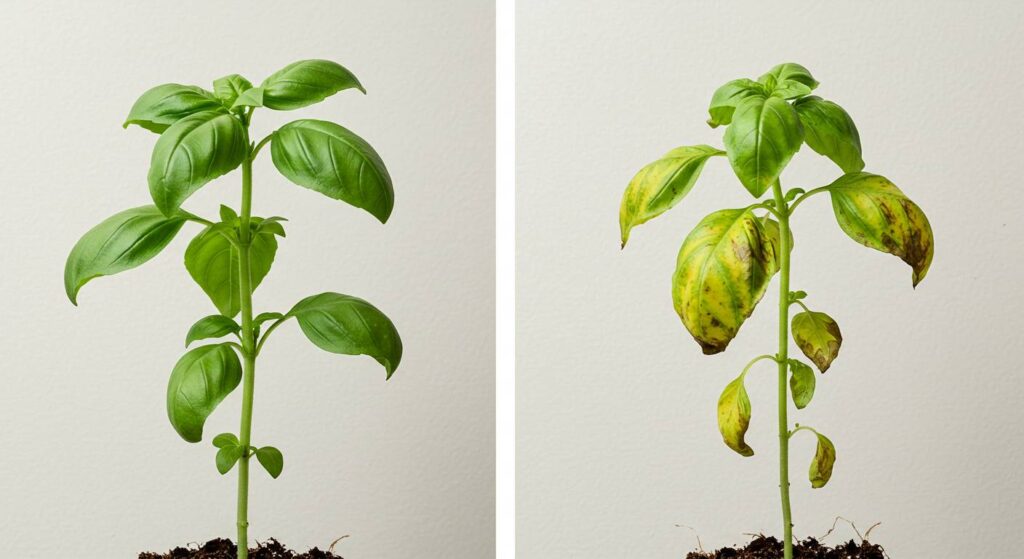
(249, 353)
(783, 356)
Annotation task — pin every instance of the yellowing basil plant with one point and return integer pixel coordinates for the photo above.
(202, 136)
(726, 263)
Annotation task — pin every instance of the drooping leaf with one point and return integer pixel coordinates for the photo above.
(789, 71)
(330, 159)
(830, 131)
(306, 82)
(225, 439)
(726, 98)
(734, 416)
(192, 152)
(661, 185)
(801, 383)
(876, 214)
(212, 261)
(213, 326)
(228, 88)
(160, 107)
(348, 325)
(271, 459)
(120, 242)
(818, 336)
(722, 271)
(249, 98)
(201, 379)
(824, 460)
(763, 137)
(227, 457)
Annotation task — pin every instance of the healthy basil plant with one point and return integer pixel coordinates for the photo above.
(202, 136)
(725, 264)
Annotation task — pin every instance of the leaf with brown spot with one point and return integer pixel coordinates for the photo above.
(722, 271)
(876, 214)
(661, 185)
(818, 336)
(824, 461)
(734, 416)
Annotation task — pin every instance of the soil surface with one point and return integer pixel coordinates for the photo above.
(762, 547)
(225, 549)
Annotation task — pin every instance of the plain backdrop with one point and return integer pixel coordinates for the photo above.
(89, 466)
(616, 424)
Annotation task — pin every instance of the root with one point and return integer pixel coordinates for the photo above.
(694, 530)
(330, 549)
(863, 538)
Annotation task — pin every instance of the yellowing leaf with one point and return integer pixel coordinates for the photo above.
(661, 185)
(722, 271)
(876, 214)
(734, 416)
(818, 336)
(824, 460)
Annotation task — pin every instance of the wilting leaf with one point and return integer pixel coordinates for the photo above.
(790, 71)
(348, 325)
(213, 326)
(824, 460)
(830, 131)
(271, 459)
(661, 185)
(201, 379)
(763, 137)
(873, 212)
(818, 336)
(228, 88)
(160, 107)
(306, 82)
(121, 242)
(734, 416)
(801, 383)
(212, 261)
(726, 98)
(722, 271)
(227, 456)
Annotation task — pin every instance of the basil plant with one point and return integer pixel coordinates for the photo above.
(726, 263)
(203, 135)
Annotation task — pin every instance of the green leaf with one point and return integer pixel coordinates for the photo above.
(876, 214)
(228, 215)
(790, 71)
(191, 153)
(306, 82)
(661, 185)
(830, 131)
(824, 460)
(790, 89)
(227, 456)
(726, 98)
(225, 439)
(160, 107)
(213, 326)
(228, 88)
(763, 137)
(249, 98)
(212, 261)
(271, 459)
(818, 336)
(801, 383)
(272, 227)
(348, 325)
(201, 379)
(734, 416)
(722, 271)
(265, 316)
(121, 242)
(331, 160)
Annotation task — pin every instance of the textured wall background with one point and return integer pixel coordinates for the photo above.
(616, 405)
(90, 467)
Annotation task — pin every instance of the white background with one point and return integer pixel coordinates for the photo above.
(617, 437)
(90, 466)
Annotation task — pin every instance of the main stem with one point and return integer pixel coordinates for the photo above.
(249, 355)
(783, 362)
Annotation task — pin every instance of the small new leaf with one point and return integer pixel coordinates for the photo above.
(265, 316)
(661, 185)
(728, 97)
(213, 326)
(789, 71)
(824, 461)
(734, 416)
(228, 88)
(225, 439)
(271, 459)
(228, 215)
(801, 383)
(818, 337)
(306, 82)
(201, 379)
(227, 456)
(790, 89)
(249, 98)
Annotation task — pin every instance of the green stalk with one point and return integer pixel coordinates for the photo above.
(249, 354)
(783, 357)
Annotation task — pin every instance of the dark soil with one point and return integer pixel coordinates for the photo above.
(762, 547)
(225, 549)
